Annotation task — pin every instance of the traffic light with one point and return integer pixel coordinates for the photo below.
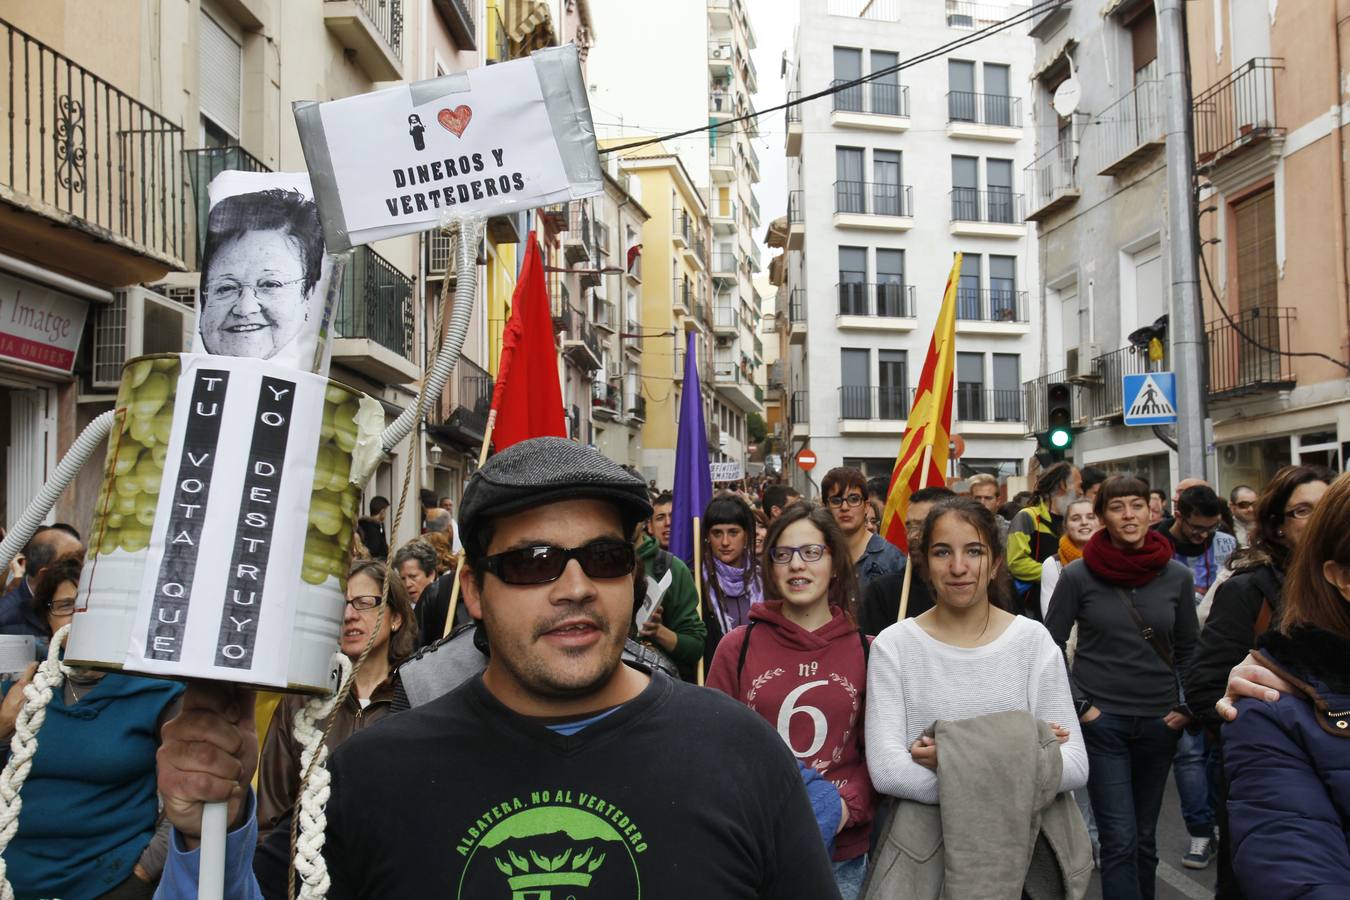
(1058, 436)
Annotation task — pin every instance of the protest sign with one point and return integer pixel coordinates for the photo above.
(488, 141)
(268, 289)
(221, 537)
(725, 471)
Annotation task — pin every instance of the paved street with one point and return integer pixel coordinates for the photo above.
(1175, 882)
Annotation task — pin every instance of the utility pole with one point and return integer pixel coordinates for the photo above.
(1185, 322)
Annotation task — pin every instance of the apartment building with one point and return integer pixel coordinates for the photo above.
(104, 190)
(1270, 149)
(675, 302)
(699, 71)
(885, 185)
(618, 404)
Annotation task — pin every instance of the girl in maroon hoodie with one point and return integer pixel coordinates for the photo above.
(801, 663)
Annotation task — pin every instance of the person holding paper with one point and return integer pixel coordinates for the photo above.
(674, 625)
(558, 768)
(262, 261)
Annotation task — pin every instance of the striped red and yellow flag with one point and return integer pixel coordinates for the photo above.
(928, 432)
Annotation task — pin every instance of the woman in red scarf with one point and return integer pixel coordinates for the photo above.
(1135, 612)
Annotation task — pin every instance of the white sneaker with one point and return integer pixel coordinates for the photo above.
(1201, 852)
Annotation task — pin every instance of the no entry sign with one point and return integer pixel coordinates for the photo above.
(807, 460)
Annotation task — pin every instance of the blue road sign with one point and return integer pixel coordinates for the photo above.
(1150, 399)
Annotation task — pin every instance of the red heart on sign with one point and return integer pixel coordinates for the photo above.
(456, 120)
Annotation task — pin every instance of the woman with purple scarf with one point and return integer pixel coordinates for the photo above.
(731, 578)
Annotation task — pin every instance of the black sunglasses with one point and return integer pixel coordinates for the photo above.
(540, 564)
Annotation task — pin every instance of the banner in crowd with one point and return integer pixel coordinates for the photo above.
(725, 471)
(492, 140)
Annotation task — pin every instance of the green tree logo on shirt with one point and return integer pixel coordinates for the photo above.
(551, 853)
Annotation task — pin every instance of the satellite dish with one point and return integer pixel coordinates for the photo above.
(1067, 97)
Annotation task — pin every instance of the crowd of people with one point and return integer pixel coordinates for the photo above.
(1061, 652)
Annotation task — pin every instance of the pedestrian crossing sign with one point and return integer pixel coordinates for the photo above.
(1150, 399)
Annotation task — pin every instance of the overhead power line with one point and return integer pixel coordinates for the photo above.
(974, 37)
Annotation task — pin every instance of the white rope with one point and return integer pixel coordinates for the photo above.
(37, 694)
(309, 861)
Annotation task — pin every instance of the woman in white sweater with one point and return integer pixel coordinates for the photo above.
(962, 659)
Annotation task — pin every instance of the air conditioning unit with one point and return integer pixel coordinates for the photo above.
(613, 371)
(138, 322)
(724, 340)
(1078, 362)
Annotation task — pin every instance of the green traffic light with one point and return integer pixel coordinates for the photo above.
(1061, 438)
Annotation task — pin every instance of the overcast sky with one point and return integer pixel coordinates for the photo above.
(774, 22)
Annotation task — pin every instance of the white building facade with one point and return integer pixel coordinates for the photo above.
(886, 182)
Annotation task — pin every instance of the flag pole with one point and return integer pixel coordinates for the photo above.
(459, 557)
(909, 564)
(698, 588)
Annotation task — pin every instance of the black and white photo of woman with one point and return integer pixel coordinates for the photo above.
(262, 262)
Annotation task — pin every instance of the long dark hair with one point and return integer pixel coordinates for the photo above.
(54, 574)
(1308, 598)
(973, 513)
(843, 581)
(1266, 539)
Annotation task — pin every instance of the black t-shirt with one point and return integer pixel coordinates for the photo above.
(881, 602)
(681, 792)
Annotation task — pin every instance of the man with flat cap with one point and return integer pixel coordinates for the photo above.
(558, 772)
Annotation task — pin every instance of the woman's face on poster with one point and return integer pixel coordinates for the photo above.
(255, 300)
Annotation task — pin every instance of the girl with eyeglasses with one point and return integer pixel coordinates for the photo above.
(379, 616)
(801, 663)
(90, 823)
(935, 685)
(732, 582)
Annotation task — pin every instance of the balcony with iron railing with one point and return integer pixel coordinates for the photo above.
(1248, 354)
(752, 160)
(203, 165)
(472, 387)
(721, 54)
(726, 318)
(581, 341)
(976, 403)
(800, 407)
(1051, 182)
(1106, 395)
(722, 163)
(720, 103)
(1130, 130)
(78, 152)
(793, 124)
(863, 403)
(636, 406)
(632, 336)
(458, 19)
(1237, 112)
(881, 105)
(374, 319)
(606, 316)
(991, 213)
(867, 204)
(681, 295)
(997, 310)
(724, 264)
(991, 117)
(796, 220)
(606, 400)
(681, 227)
(796, 317)
(373, 31)
(887, 306)
(579, 239)
(754, 209)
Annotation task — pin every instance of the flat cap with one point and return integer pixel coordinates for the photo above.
(547, 470)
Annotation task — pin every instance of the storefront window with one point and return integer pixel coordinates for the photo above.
(1251, 463)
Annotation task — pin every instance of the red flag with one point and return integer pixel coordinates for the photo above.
(527, 401)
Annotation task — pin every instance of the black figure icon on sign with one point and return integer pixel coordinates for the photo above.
(416, 128)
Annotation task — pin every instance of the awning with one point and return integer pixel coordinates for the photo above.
(1056, 58)
(776, 236)
(529, 17)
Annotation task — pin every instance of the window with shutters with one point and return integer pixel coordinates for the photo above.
(219, 77)
(1257, 272)
(1143, 26)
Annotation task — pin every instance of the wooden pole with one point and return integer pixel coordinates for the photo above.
(909, 563)
(698, 587)
(459, 557)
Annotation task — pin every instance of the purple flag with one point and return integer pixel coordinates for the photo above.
(693, 482)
